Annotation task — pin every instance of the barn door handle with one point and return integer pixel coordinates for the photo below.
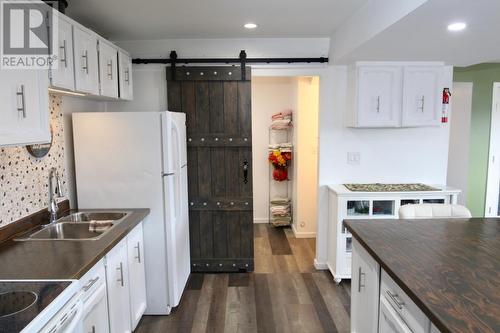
(245, 172)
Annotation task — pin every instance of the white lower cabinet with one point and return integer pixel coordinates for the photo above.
(378, 304)
(137, 275)
(118, 288)
(364, 291)
(126, 282)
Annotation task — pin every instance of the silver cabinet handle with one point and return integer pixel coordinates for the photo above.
(90, 284)
(395, 299)
(86, 57)
(127, 79)
(64, 59)
(121, 274)
(138, 248)
(423, 103)
(378, 104)
(110, 69)
(360, 285)
(23, 101)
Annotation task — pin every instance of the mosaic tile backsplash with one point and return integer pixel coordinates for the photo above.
(24, 178)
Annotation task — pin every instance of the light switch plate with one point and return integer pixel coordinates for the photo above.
(353, 158)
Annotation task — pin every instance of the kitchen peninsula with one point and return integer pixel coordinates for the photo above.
(439, 275)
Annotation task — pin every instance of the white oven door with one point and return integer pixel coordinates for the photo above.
(389, 321)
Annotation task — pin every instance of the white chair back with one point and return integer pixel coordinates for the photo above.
(429, 211)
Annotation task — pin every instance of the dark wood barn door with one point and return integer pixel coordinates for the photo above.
(217, 103)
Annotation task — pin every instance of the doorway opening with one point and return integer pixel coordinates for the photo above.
(285, 113)
(492, 205)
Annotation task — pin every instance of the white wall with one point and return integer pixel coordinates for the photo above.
(387, 155)
(458, 156)
(306, 157)
(269, 96)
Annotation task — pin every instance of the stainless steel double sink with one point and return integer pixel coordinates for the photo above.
(77, 226)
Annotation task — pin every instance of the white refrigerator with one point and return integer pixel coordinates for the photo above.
(139, 160)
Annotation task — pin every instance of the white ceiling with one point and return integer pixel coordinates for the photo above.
(422, 35)
(160, 19)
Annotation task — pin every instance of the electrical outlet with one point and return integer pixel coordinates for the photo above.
(353, 158)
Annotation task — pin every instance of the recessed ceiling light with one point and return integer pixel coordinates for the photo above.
(457, 26)
(250, 25)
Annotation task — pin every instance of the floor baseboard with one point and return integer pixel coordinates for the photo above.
(260, 220)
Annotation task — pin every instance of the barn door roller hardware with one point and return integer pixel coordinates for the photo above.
(173, 61)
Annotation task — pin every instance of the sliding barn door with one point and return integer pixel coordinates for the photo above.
(218, 111)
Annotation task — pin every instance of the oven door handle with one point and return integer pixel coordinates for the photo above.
(72, 321)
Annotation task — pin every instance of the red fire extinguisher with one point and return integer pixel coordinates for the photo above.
(446, 103)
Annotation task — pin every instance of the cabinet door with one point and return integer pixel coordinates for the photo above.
(108, 70)
(422, 91)
(137, 275)
(126, 87)
(96, 320)
(118, 288)
(86, 64)
(379, 96)
(64, 75)
(24, 112)
(364, 291)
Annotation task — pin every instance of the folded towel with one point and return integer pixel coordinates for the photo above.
(100, 226)
(280, 200)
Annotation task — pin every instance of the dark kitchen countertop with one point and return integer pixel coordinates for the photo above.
(450, 268)
(62, 259)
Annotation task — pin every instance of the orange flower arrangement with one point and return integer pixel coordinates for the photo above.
(279, 161)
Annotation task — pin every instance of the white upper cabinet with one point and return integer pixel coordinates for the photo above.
(24, 112)
(422, 87)
(395, 94)
(378, 96)
(86, 63)
(108, 69)
(64, 76)
(125, 67)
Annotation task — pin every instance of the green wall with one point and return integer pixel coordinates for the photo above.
(482, 76)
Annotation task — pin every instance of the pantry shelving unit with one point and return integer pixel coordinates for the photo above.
(281, 189)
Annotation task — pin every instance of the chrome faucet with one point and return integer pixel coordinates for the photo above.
(54, 193)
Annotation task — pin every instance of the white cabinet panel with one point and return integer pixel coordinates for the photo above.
(126, 87)
(64, 76)
(364, 291)
(117, 278)
(422, 90)
(137, 274)
(86, 63)
(96, 319)
(24, 112)
(378, 96)
(108, 69)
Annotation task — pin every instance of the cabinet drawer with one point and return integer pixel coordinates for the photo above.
(404, 306)
(93, 278)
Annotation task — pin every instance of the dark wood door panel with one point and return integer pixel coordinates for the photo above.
(218, 117)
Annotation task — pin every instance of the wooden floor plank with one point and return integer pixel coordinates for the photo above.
(195, 281)
(238, 280)
(333, 295)
(319, 304)
(278, 241)
(284, 294)
(263, 306)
